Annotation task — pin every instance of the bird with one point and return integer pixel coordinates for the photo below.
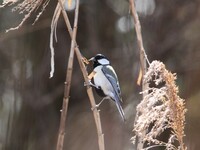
(105, 81)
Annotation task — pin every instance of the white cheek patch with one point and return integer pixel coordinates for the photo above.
(103, 61)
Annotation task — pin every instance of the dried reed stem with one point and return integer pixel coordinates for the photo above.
(54, 21)
(92, 102)
(143, 57)
(61, 135)
(89, 89)
(24, 7)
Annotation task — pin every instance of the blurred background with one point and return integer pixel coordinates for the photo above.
(30, 102)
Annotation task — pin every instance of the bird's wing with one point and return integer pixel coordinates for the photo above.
(112, 77)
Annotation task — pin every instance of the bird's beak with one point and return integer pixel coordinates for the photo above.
(91, 59)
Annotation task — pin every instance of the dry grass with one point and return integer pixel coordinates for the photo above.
(160, 109)
(26, 8)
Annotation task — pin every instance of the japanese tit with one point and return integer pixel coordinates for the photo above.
(106, 81)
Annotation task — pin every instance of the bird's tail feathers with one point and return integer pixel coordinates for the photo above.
(119, 107)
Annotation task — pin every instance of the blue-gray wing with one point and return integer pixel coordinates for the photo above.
(112, 77)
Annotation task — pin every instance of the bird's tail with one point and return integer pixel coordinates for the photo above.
(119, 107)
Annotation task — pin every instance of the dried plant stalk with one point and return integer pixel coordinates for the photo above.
(61, 135)
(80, 58)
(161, 109)
(27, 7)
(143, 58)
(54, 21)
(96, 113)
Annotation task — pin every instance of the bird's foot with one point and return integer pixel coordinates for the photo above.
(91, 84)
(95, 107)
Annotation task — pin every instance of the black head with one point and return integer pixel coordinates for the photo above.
(99, 59)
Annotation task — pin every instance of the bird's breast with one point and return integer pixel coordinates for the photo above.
(101, 80)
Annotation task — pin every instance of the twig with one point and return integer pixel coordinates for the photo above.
(25, 30)
(61, 135)
(53, 32)
(143, 57)
(89, 89)
(92, 102)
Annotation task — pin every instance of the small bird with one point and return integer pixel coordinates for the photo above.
(106, 81)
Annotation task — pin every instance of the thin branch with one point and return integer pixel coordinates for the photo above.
(25, 30)
(143, 58)
(53, 32)
(89, 89)
(143, 55)
(92, 102)
(61, 135)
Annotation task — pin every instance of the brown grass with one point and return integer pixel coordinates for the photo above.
(161, 109)
(26, 8)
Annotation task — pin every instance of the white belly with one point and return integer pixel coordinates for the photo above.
(101, 80)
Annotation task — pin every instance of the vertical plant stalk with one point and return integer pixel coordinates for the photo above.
(89, 89)
(92, 102)
(143, 58)
(60, 141)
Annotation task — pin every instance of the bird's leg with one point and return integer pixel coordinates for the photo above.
(102, 101)
(97, 106)
(91, 84)
(91, 75)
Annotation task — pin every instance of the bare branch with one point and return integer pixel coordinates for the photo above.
(61, 135)
(143, 57)
(53, 32)
(85, 75)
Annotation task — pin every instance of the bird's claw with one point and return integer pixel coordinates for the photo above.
(86, 83)
(95, 107)
(89, 83)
